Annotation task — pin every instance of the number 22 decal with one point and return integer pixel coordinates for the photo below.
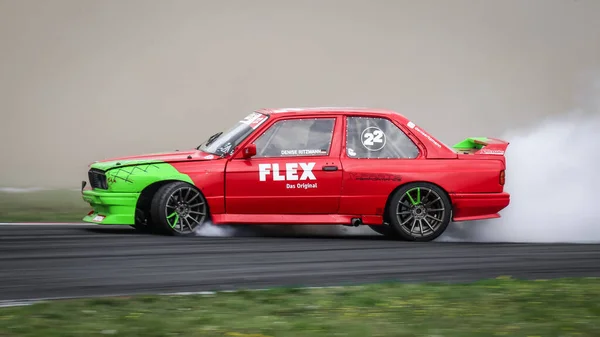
(373, 139)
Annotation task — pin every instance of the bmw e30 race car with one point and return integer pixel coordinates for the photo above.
(330, 166)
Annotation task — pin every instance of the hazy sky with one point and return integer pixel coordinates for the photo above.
(82, 80)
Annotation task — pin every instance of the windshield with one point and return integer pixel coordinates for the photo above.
(222, 143)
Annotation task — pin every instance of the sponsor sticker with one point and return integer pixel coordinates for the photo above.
(225, 148)
(375, 176)
(305, 186)
(414, 127)
(494, 152)
(98, 218)
(293, 171)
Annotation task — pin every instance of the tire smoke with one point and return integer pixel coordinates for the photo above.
(553, 178)
(211, 230)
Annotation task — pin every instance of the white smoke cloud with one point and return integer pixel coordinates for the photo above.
(313, 230)
(553, 173)
(211, 230)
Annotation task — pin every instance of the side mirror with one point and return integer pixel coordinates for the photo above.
(249, 151)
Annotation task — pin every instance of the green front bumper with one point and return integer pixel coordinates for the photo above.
(111, 208)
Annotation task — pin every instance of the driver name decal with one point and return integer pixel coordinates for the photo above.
(293, 172)
(302, 152)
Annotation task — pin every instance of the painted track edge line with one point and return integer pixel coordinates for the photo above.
(26, 302)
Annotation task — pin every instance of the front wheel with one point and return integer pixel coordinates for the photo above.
(179, 209)
(420, 212)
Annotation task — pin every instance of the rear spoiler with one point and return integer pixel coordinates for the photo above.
(482, 145)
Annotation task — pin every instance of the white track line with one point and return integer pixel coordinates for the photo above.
(25, 302)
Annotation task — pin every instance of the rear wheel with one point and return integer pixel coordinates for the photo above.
(420, 212)
(179, 209)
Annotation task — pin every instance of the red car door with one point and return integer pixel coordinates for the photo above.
(296, 170)
(375, 155)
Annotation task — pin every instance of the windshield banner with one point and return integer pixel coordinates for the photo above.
(254, 119)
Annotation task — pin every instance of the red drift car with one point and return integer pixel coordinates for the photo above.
(330, 166)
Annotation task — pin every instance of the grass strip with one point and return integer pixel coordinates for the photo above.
(42, 206)
(499, 307)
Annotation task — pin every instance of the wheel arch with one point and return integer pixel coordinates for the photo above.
(145, 198)
(391, 195)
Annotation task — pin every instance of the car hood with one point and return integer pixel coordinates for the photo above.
(166, 157)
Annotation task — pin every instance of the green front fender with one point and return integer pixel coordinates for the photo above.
(135, 178)
(126, 182)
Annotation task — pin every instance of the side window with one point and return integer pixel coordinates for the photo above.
(296, 137)
(368, 137)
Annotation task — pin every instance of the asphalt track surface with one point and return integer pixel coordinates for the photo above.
(50, 261)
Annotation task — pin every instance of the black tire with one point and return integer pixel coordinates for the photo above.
(419, 212)
(178, 208)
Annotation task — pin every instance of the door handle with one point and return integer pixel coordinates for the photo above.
(330, 168)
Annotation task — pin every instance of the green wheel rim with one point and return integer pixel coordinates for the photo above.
(420, 212)
(185, 210)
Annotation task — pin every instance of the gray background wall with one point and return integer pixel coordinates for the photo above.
(82, 80)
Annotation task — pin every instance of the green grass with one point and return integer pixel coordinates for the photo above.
(42, 206)
(502, 307)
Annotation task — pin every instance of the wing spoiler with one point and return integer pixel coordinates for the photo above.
(482, 145)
